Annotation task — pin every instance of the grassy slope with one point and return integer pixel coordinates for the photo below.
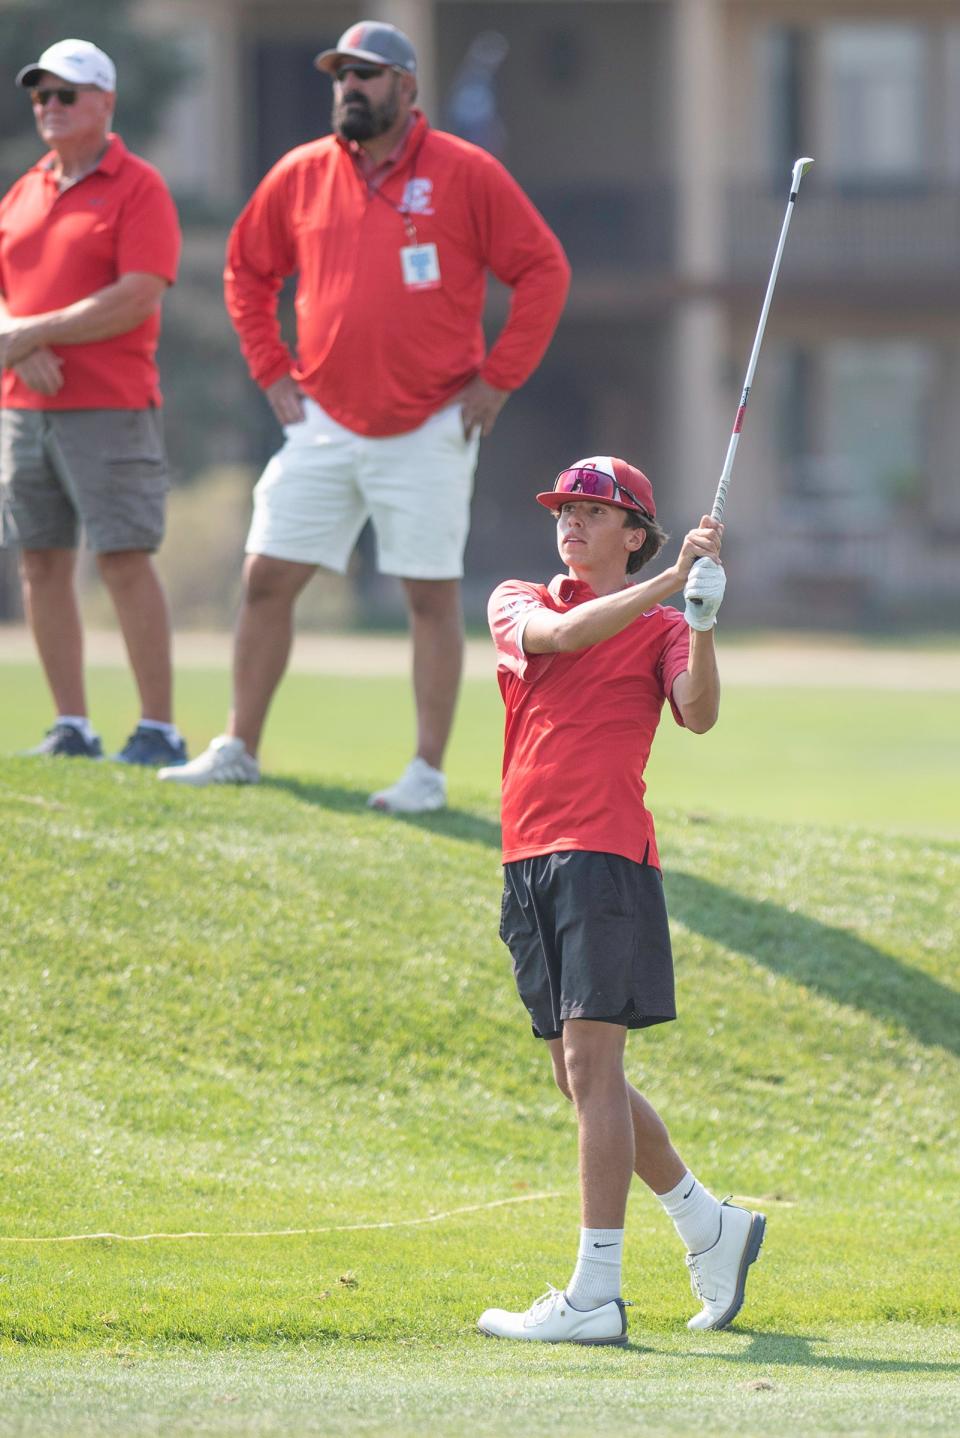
(267, 1009)
(886, 759)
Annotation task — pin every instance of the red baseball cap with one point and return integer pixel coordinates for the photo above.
(612, 481)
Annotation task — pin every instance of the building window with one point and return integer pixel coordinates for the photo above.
(782, 58)
(875, 123)
(875, 415)
(853, 421)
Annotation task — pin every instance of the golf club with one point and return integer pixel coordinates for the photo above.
(799, 170)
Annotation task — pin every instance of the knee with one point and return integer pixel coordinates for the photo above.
(590, 1072)
(268, 581)
(581, 1075)
(45, 566)
(122, 569)
(436, 600)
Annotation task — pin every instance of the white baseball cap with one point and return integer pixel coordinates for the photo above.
(75, 60)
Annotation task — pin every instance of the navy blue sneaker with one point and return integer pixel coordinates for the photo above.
(151, 748)
(69, 742)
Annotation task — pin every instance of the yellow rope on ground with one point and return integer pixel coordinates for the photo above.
(281, 1232)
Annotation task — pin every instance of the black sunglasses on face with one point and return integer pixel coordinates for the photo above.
(362, 72)
(43, 97)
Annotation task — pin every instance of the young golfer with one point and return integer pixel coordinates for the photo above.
(585, 665)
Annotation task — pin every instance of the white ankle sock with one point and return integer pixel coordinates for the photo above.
(695, 1213)
(79, 721)
(596, 1278)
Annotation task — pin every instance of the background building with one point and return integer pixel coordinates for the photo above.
(658, 137)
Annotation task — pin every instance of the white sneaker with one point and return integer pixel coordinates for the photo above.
(419, 790)
(226, 761)
(552, 1320)
(718, 1275)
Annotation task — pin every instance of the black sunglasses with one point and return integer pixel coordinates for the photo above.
(362, 72)
(43, 97)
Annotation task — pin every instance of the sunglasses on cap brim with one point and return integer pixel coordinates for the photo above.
(596, 484)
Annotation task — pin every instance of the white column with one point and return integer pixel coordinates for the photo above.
(944, 495)
(696, 350)
(415, 18)
(198, 147)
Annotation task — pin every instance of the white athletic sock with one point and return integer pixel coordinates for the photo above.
(596, 1278)
(79, 721)
(695, 1213)
(170, 731)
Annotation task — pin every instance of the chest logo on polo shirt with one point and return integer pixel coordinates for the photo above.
(418, 197)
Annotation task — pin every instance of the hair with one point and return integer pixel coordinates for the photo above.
(656, 538)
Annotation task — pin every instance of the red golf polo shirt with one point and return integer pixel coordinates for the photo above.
(377, 352)
(579, 726)
(57, 248)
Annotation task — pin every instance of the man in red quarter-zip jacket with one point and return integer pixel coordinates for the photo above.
(391, 228)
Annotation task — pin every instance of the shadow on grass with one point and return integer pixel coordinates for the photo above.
(830, 961)
(795, 1351)
(450, 823)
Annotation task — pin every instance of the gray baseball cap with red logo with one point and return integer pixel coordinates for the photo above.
(373, 42)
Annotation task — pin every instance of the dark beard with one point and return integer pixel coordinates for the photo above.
(362, 121)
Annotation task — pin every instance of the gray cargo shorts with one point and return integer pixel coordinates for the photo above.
(102, 469)
(589, 939)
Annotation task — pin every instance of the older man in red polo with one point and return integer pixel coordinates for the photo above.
(89, 241)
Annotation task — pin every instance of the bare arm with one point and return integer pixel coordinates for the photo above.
(696, 692)
(602, 618)
(114, 310)
(41, 370)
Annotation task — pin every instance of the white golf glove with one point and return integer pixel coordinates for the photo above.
(703, 593)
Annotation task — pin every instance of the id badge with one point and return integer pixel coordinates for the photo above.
(421, 267)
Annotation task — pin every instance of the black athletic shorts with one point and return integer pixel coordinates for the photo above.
(589, 939)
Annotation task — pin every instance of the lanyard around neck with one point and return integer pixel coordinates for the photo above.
(403, 210)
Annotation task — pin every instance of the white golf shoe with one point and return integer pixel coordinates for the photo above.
(551, 1320)
(419, 790)
(226, 761)
(718, 1275)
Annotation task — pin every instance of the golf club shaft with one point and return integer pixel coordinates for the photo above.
(799, 170)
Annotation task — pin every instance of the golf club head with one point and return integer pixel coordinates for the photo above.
(800, 168)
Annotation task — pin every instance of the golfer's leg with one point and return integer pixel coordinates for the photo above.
(141, 608)
(694, 1209)
(50, 604)
(593, 1060)
(656, 1162)
(263, 639)
(436, 627)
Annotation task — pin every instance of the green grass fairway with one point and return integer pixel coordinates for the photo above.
(282, 1024)
(884, 758)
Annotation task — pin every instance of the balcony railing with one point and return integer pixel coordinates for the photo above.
(610, 228)
(842, 237)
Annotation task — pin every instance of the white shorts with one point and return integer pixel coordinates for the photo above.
(316, 493)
